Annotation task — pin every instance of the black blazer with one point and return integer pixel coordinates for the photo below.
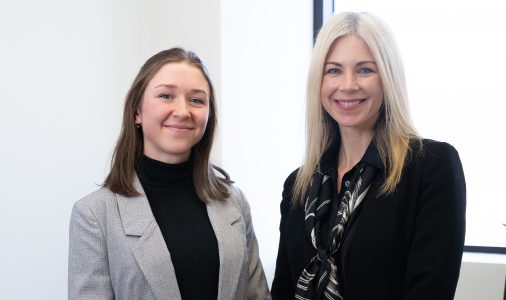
(407, 245)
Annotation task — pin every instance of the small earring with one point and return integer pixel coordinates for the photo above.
(138, 125)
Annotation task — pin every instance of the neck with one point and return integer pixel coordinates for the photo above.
(352, 148)
(161, 174)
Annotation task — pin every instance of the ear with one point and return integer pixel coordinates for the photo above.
(138, 119)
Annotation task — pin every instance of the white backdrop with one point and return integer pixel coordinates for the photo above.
(65, 67)
(265, 54)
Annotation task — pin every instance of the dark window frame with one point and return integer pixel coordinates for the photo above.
(317, 17)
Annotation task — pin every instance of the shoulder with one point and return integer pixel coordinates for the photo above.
(95, 203)
(438, 162)
(236, 195)
(289, 182)
(438, 149)
(436, 153)
(286, 201)
(238, 199)
(96, 198)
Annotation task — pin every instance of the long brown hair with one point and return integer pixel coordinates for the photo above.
(208, 185)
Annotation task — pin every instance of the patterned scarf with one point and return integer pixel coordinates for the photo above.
(319, 279)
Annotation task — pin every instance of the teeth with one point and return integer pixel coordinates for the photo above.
(348, 103)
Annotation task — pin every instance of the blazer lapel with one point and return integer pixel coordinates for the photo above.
(230, 232)
(151, 252)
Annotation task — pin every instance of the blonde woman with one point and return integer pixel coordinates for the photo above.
(167, 224)
(375, 211)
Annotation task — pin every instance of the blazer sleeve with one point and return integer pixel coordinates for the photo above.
(88, 267)
(257, 283)
(434, 258)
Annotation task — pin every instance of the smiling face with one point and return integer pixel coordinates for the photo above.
(352, 91)
(174, 112)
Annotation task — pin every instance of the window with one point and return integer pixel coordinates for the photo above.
(454, 56)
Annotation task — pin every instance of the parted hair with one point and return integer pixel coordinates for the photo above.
(394, 130)
(209, 185)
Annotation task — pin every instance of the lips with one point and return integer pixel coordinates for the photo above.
(349, 103)
(179, 127)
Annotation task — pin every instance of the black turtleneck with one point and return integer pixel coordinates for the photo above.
(183, 220)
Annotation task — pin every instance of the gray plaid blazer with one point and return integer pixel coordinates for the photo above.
(117, 251)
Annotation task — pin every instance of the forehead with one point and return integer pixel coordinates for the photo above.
(180, 74)
(349, 47)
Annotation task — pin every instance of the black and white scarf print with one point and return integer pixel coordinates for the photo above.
(319, 278)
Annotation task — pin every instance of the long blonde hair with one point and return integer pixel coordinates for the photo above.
(394, 128)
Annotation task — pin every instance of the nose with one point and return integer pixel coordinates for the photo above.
(181, 109)
(349, 81)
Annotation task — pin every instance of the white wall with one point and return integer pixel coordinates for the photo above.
(266, 47)
(482, 276)
(65, 66)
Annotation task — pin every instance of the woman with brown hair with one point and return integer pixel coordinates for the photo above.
(167, 224)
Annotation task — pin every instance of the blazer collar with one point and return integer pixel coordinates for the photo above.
(230, 231)
(151, 252)
(135, 211)
(371, 156)
(153, 256)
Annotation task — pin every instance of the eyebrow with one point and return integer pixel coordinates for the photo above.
(172, 86)
(358, 63)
